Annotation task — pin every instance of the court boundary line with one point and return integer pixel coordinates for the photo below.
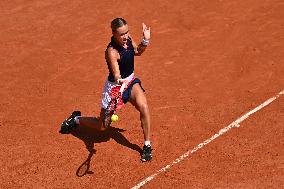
(235, 123)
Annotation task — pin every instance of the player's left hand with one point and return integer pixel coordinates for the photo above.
(146, 32)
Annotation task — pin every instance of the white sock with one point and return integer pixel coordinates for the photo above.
(77, 120)
(147, 143)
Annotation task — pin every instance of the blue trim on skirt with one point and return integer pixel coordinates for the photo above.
(126, 94)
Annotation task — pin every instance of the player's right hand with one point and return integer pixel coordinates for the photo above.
(121, 81)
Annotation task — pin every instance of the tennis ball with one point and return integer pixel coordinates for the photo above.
(114, 117)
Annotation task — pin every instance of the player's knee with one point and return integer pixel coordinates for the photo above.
(103, 128)
(144, 108)
(102, 125)
(105, 125)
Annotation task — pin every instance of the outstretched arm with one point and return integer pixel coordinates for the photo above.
(112, 56)
(139, 49)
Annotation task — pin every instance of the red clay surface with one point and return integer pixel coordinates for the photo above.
(209, 62)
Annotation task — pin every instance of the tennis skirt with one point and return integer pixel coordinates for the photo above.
(111, 90)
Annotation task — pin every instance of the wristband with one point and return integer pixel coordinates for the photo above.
(145, 42)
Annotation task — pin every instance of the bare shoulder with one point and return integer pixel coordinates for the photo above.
(111, 51)
(111, 54)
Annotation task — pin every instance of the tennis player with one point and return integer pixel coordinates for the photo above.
(119, 57)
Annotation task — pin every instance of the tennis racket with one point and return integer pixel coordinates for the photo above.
(116, 100)
(119, 96)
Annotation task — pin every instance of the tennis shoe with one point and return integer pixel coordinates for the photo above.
(147, 153)
(69, 124)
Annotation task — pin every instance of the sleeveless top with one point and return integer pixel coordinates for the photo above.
(126, 62)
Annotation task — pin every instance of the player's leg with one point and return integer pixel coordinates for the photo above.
(138, 99)
(101, 123)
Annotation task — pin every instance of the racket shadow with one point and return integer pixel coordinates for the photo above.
(91, 136)
(84, 168)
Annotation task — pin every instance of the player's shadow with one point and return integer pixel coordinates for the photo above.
(90, 136)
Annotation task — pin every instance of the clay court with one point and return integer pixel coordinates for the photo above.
(209, 64)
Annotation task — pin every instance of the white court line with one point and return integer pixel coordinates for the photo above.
(201, 145)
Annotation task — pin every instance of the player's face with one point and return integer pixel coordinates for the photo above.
(121, 34)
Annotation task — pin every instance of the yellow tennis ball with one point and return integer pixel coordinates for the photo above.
(114, 117)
